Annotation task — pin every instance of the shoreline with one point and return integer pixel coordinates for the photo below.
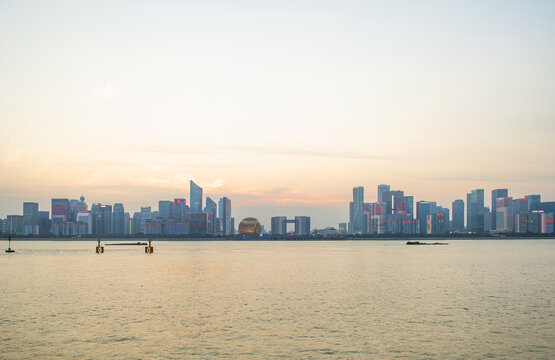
(269, 239)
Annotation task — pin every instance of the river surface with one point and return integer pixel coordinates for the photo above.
(472, 299)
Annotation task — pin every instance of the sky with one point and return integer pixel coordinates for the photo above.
(283, 107)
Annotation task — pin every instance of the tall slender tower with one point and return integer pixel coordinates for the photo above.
(458, 215)
(382, 189)
(211, 208)
(476, 206)
(496, 194)
(227, 226)
(356, 211)
(195, 194)
(118, 219)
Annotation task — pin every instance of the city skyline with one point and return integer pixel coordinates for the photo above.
(291, 105)
(354, 214)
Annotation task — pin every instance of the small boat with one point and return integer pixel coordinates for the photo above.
(423, 243)
(10, 250)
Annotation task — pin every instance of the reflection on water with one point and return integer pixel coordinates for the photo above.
(350, 299)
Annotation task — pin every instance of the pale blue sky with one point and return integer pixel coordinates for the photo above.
(283, 107)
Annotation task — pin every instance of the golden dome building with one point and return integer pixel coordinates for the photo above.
(249, 226)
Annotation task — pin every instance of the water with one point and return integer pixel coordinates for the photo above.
(270, 300)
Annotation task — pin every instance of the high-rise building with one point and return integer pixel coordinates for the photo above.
(535, 221)
(279, 225)
(356, 211)
(226, 222)
(468, 212)
(14, 224)
(198, 223)
(106, 225)
(548, 223)
(146, 215)
(126, 224)
(60, 210)
(119, 219)
(195, 195)
(212, 209)
(436, 224)
(302, 225)
(164, 209)
(487, 220)
(534, 201)
(44, 222)
(136, 223)
(402, 205)
(520, 213)
(458, 215)
(30, 218)
(447, 213)
(389, 198)
(476, 205)
(409, 210)
(496, 194)
(504, 219)
(382, 189)
(179, 210)
(85, 217)
(423, 209)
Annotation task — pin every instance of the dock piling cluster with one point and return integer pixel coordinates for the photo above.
(149, 249)
(99, 248)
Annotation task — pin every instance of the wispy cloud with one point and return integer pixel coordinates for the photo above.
(517, 177)
(284, 196)
(270, 150)
(105, 91)
(13, 153)
(308, 152)
(218, 183)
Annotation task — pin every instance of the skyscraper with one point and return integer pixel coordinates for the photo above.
(44, 222)
(195, 193)
(423, 209)
(279, 225)
(224, 216)
(458, 215)
(119, 219)
(520, 213)
(496, 194)
(468, 212)
(504, 219)
(179, 210)
(164, 209)
(389, 198)
(302, 225)
(31, 218)
(476, 206)
(356, 211)
(534, 201)
(106, 218)
(211, 208)
(126, 224)
(60, 210)
(381, 189)
(146, 215)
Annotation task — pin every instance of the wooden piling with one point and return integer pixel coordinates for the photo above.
(149, 249)
(99, 248)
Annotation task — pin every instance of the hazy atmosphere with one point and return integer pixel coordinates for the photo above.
(282, 107)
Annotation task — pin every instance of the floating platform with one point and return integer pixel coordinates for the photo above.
(128, 244)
